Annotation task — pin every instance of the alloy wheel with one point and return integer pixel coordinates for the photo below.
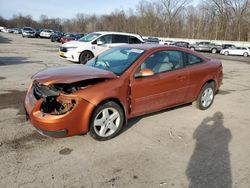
(207, 97)
(107, 122)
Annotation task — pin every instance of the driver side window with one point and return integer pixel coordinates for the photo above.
(163, 61)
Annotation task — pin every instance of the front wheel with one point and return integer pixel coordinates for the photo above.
(226, 53)
(106, 121)
(85, 57)
(206, 97)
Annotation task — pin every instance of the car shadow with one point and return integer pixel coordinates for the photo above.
(133, 121)
(6, 61)
(4, 39)
(209, 165)
(13, 99)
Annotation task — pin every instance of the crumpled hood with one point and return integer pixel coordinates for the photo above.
(70, 74)
(73, 43)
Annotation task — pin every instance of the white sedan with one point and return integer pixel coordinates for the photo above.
(46, 33)
(236, 51)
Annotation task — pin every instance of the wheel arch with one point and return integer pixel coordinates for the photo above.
(204, 83)
(85, 51)
(117, 101)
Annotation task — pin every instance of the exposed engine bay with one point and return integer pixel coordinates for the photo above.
(58, 98)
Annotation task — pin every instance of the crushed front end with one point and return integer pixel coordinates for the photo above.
(55, 110)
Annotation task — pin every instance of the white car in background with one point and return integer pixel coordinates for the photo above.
(46, 33)
(28, 32)
(95, 43)
(236, 51)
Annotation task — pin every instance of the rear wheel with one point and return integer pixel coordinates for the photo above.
(245, 54)
(192, 48)
(206, 97)
(85, 57)
(214, 50)
(106, 121)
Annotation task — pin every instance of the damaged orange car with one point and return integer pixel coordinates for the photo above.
(119, 84)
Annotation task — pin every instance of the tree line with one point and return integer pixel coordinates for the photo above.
(211, 19)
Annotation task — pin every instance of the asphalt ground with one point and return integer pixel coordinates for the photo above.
(179, 147)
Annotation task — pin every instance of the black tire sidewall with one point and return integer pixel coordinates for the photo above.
(81, 57)
(199, 103)
(109, 104)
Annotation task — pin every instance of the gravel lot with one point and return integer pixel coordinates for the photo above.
(180, 147)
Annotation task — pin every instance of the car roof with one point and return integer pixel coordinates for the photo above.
(118, 33)
(147, 47)
(142, 46)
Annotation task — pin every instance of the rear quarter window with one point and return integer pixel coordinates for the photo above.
(193, 59)
(134, 40)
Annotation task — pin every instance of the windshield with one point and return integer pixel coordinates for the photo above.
(116, 60)
(89, 37)
(28, 29)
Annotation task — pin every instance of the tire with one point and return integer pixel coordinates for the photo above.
(226, 53)
(214, 51)
(245, 54)
(192, 48)
(206, 97)
(106, 121)
(85, 57)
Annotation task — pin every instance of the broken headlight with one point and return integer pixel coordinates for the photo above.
(58, 105)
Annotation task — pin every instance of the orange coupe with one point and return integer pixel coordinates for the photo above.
(119, 84)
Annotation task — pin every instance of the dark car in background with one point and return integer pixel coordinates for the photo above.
(56, 36)
(152, 40)
(17, 31)
(38, 31)
(70, 37)
(180, 44)
(28, 32)
(205, 46)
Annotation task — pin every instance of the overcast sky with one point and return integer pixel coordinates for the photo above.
(63, 8)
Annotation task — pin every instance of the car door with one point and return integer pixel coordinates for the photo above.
(167, 87)
(101, 44)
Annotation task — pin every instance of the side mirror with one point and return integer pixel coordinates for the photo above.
(144, 73)
(99, 43)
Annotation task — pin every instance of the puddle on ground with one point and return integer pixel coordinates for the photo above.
(65, 151)
(28, 141)
(225, 92)
(13, 99)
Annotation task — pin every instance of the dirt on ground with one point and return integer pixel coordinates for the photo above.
(179, 147)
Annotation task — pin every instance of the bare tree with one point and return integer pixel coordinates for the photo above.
(170, 11)
(211, 19)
